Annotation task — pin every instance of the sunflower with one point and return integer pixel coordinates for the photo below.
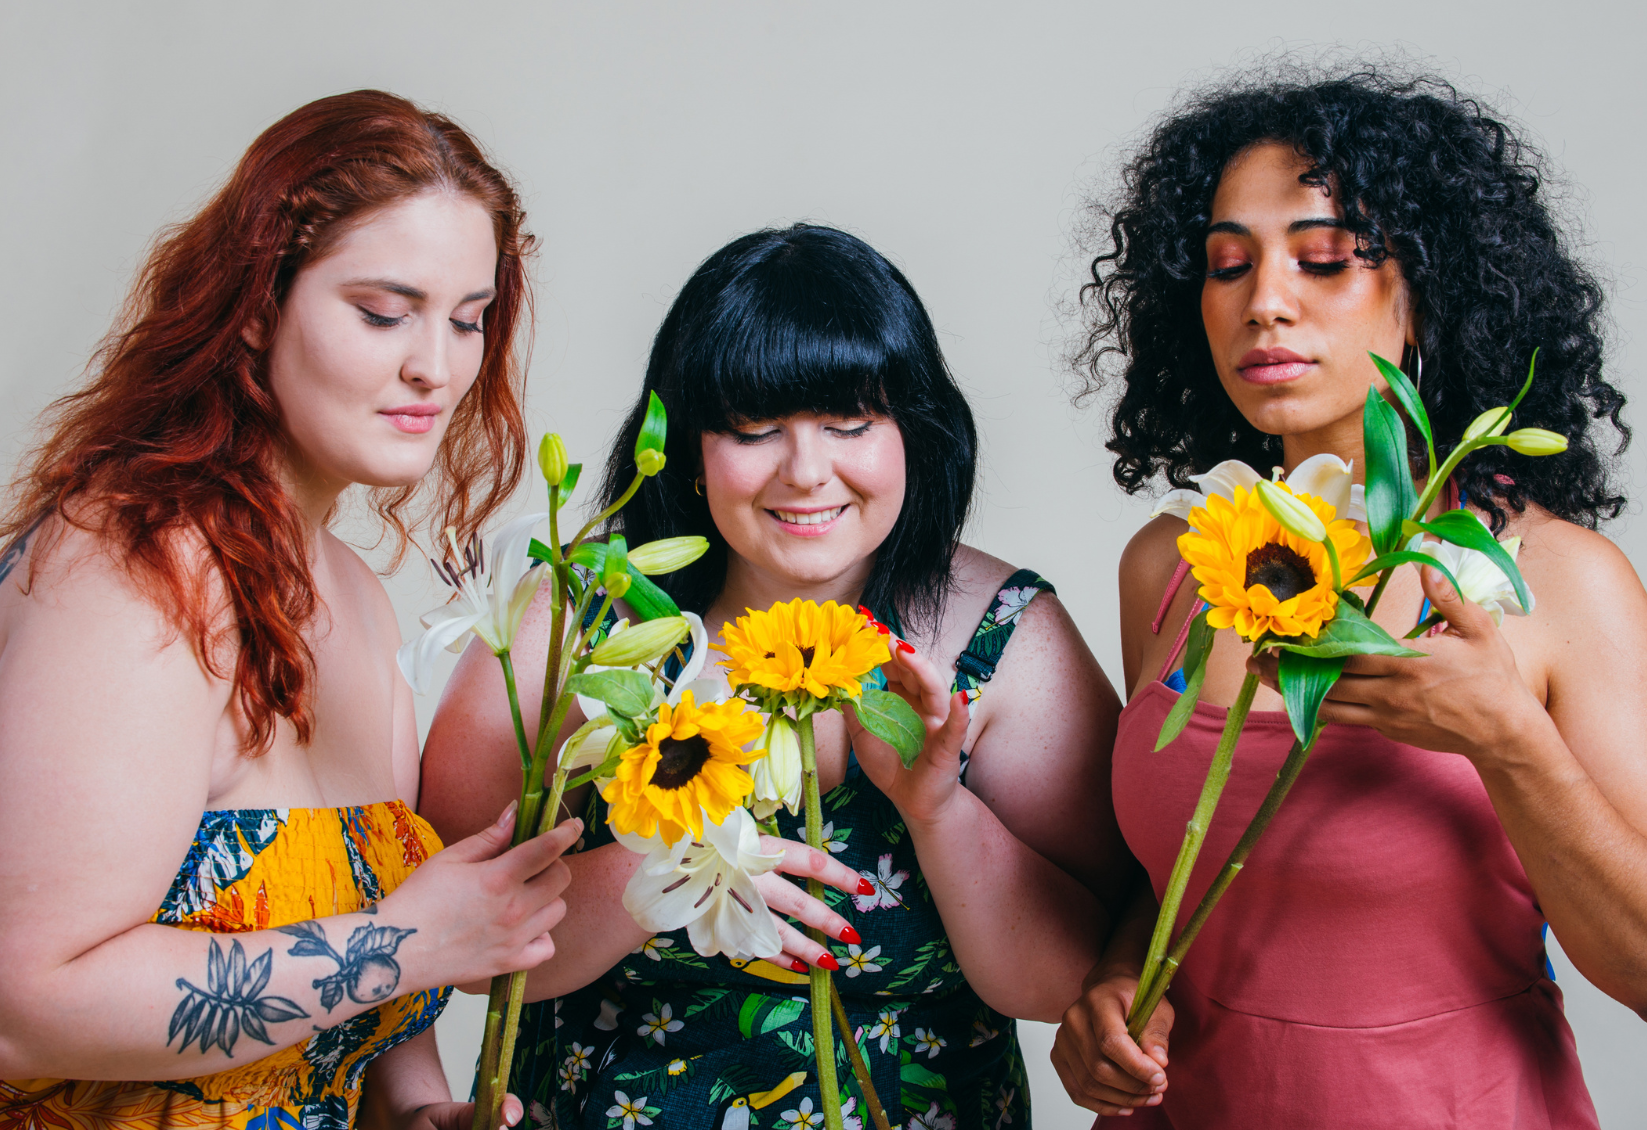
(822, 650)
(689, 766)
(1259, 578)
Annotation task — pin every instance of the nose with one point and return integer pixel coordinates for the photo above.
(806, 465)
(1272, 298)
(428, 362)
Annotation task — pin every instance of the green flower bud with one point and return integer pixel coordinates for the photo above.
(552, 459)
(1536, 441)
(649, 462)
(668, 554)
(643, 643)
(1292, 512)
(1492, 422)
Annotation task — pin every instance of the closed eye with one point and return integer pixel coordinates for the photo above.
(466, 327)
(852, 433)
(1234, 272)
(754, 437)
(382, 320)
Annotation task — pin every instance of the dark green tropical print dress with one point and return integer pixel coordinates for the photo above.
(669, 1040)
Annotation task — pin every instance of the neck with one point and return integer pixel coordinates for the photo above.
(314, 492)
(1342, 438)
(749, 586)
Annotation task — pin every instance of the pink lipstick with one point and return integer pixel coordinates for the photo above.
(414, 419)
(1272, 366)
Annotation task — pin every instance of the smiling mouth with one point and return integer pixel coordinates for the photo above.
(815, 518)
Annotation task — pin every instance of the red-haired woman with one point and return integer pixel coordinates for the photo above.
(202, 729)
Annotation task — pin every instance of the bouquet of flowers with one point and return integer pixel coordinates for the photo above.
(667, 754)
(1279, 561)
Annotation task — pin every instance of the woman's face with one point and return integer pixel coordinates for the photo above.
(379, 340)
(1290, 312)
(806, 500)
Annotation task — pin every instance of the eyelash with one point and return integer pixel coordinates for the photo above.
(844, 433)
(1331, 267)
(383, 321)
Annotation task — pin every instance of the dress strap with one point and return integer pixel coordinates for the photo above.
(976, 665)
(1178, 575)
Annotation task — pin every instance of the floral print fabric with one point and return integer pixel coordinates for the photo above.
(257, 869)
(669, 1040)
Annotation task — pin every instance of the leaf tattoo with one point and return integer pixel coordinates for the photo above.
(230, 1003)
(367, 970)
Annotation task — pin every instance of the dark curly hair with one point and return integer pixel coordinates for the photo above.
(1426, 177)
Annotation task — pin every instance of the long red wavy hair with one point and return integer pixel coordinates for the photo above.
(175, 442)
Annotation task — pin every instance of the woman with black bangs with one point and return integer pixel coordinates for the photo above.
(818, 441)
(1380, 959)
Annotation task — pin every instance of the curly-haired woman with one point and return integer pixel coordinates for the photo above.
(202, 729)
(1380, 960)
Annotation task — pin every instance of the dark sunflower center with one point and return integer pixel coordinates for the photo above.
(1280, 570)
(806, 655)
(679, 760)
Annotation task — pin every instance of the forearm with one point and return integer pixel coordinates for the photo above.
(158, 1002)
(1586, 863)
(1128, 943)
(597, 932)
(1007, 909)
(401, 1081)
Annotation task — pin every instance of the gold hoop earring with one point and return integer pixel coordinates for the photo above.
(697, 485)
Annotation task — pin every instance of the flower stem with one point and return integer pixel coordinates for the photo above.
(1290, 769)
(491, 1081)
(607, 513)
(1194, 835)
(860, 1070)
(823, 1043)
(514, 709)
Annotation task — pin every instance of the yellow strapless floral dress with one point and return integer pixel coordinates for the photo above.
(257, 869)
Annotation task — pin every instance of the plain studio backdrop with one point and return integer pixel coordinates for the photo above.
(960, 140)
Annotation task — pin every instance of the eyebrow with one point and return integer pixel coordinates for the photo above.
(413, 292)
(1293, 228)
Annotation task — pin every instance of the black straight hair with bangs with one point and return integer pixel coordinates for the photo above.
(803, 319)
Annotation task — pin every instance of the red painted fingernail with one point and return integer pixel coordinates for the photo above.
(848, 934)
(907, 648)
(883, 629)
(798, 965)
(865, 887)
(827, 961)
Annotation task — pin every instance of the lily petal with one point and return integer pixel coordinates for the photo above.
(1224, 478)
(416, 657)
(1328, 478)
(1178, 503)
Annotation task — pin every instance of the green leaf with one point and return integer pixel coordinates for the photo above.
(894, 721)
(654, 427)
(644, 598)
(1405, 557)
(615, 561)
(1347, 633)
(1305, 681)
(573, 470)
(1463, 528)
(1391, 495)
(1197, 646)
(1407, 396)
(626, 692)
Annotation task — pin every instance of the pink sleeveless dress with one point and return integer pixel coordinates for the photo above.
(1378, 963)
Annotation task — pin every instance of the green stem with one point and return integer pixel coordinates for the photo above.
(860, 1070)
(823, 1043)
(607, 513)
(1337, 570)
(490, 1083)
(514, 709)
(1378, 590)
(1148, 998)
(1194, 835)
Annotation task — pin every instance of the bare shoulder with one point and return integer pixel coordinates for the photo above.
(60, 572)
(1578, 577)
(1147, 565)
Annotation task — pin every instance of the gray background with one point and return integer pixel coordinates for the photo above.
(959, 139)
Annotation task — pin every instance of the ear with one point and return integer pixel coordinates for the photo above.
(255, 335)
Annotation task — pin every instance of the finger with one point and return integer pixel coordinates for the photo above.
(537, 951)
(551, 882)
(804, 948)
(919, 683)
(1464, 617)
(1136, 1072)
(1156, 1034)
(487, 843)
(513, 1111)
(943, 748)
(537, 853)
(786, 898)
(1348, 714)
(813, 863)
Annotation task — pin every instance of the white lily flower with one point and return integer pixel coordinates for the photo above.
(592, 746)
(707, 886)
(1326, 476)
(491, 599)
(777, 776)
(1481, 580)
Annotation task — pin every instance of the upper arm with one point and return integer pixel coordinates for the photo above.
(108, 729)
(1590, 628)
(1041, 761)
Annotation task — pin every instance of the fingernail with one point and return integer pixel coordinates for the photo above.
(865, 887)
(905, 647)
(827, 961)
(798, 965)
(848, 934)
(507, 820)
